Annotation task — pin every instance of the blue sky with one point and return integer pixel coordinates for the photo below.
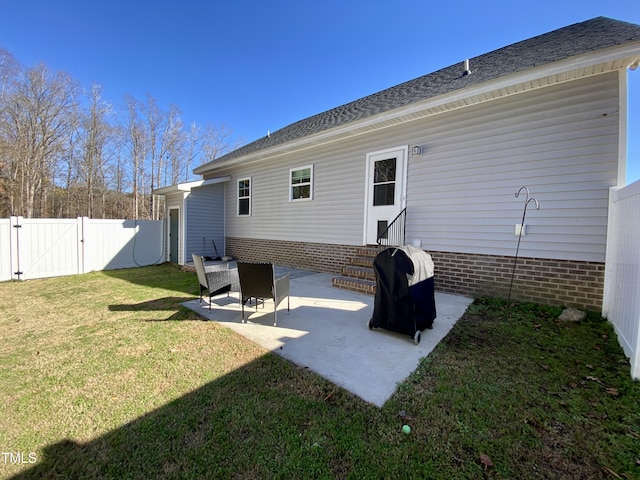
(257, 66)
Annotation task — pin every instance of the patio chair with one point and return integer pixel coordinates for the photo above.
(214, 283)
(258, 280)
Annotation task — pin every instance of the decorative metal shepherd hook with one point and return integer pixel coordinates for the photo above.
(524, 214)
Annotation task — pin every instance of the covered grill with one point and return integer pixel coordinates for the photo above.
(405, 298)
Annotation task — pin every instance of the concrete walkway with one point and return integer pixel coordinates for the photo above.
(327, 331)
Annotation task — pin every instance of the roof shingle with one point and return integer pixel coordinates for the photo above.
(595, 34)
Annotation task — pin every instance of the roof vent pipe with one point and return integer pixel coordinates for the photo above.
(467, 70)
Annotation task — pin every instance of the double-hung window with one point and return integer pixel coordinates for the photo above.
(244, 196)
(301, 183)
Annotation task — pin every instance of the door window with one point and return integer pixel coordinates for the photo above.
(384, 182)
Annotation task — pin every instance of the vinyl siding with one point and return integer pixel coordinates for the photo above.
(335, 215)
(205, 218)
(560, 141)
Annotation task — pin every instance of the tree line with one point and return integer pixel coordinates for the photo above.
(67, 152)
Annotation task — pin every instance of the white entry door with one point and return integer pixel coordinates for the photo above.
(386, 182)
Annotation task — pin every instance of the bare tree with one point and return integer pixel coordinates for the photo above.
(173, 143)
(120, 177)
(36, 124)
(96, 132)
(171, 151)
(165, 142)
(9, 70)
(193, 141)
(120, 163)
(215, 141)
(65, 155)
(69, 168)
(156, 119)
(137, 143)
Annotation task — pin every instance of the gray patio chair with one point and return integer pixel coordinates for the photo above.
(214, 283)
(258, 280)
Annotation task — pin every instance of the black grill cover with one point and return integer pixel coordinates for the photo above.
(397, 305)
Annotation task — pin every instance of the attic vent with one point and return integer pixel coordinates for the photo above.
(467, 70)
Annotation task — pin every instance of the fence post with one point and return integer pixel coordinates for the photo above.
(611, 253)
(81, 243)
(16, 225)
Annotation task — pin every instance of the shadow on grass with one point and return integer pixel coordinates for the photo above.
(166, 276)
(231, 427)
(164, 304)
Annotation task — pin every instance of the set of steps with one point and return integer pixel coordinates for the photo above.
(358, 276)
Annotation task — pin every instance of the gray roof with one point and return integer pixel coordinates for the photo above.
(591, 35)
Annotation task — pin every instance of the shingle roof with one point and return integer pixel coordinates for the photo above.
(591, 35)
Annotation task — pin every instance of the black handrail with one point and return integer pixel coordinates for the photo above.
(393, 235)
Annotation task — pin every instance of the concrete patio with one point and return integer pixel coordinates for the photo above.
(327, 332)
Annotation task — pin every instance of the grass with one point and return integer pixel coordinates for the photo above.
(105, 375)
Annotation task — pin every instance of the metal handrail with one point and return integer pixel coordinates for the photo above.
(393, 235)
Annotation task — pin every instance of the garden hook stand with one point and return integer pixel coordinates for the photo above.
(524, 214)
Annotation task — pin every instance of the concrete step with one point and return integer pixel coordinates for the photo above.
(362, 273)
(355, 285)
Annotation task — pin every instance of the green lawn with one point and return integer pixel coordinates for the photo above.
(105, 375)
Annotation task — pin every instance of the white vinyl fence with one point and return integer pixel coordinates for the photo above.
(36, 248)
(621, 304)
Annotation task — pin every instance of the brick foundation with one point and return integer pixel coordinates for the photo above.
(319, 257)
(551, 282)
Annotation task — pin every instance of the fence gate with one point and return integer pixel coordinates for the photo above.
(46, 247)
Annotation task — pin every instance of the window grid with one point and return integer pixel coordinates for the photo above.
(301, 183)
(244, 196)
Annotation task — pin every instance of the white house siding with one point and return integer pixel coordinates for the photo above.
(559, 141)
(204, 213)
(335, 215)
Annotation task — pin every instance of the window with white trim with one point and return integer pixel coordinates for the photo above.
(244, 196)
(301, 183)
